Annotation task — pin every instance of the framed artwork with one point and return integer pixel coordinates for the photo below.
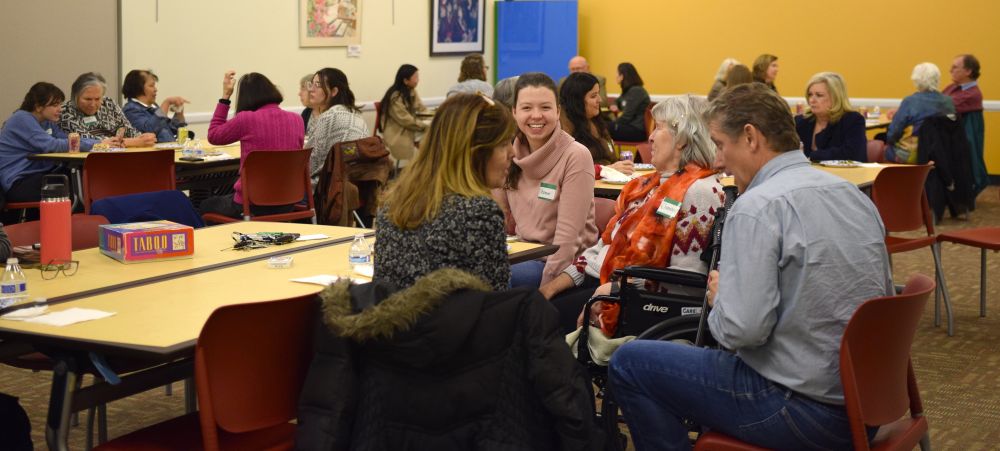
(329, 23)
(457, 26)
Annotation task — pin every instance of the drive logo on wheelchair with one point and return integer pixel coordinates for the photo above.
(655, 308)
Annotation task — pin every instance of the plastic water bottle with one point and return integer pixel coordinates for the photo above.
(13, 285)
(360, 253)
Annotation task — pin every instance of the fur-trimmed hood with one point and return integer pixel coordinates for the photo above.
(376, 312)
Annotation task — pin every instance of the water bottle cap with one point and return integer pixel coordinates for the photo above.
(12, 261)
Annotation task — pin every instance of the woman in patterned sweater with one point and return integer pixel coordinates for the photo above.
(439, 212)
(95, 116)
(661, 219)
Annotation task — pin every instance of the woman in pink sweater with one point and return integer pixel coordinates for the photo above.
(549, 193)
(259, 124)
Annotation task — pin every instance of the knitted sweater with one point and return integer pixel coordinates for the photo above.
(266, 128)
(694, 227)
(467, 234)
(22, 136)
(567, 220)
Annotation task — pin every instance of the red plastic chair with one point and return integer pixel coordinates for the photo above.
(23, 206)
(604, 210)
(877, 375)
(898, 192)
(246, 400)
(85, 229)
(272, 178)
(984, 238)
(876, 151)
(118, 173)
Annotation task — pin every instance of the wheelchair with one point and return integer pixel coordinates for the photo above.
(672, 312)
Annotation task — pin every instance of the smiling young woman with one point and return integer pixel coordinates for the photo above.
(549, 193)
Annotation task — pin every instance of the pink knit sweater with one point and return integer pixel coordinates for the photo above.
(568, 219)
(266, 128)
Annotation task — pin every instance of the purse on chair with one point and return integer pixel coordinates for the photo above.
(364, 150)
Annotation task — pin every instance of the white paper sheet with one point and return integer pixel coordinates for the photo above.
(69, 316)
(315, 236)
(26, 313)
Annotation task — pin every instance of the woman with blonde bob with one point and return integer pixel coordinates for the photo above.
(830, 129)
(439, 212)
(643, 232)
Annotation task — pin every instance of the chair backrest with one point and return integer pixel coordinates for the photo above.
(876, 151)
(647, 118)
(604, 209)
(117, 173)
(250, 363)
(276, 177)
(875, 358)
(378, 118)
(645, 152)
(84, 231)
(898, 193)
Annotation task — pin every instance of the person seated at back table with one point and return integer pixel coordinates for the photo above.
(580, 102)
(788, 282)
(765, 70)
(631, 124)
(640, 233)
(472, 77)
(34, 129)
(259, 125)
(738, 75)
(139, 90)
(720, 77)
(968, 98)
(579, 64)
(904, 130)
(399, 107)
(830, 129)
(93, 115)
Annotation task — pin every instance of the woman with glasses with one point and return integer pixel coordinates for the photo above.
(399, 108)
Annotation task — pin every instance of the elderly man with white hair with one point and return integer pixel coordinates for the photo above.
(925, 103)
(579, 64)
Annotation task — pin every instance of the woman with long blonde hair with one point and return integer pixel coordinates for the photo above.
(439, 212)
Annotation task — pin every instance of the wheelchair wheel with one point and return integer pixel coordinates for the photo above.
(681, 328)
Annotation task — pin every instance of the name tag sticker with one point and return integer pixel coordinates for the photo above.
(668, 208)
(49, 131)
(90, 119)
(547, 191)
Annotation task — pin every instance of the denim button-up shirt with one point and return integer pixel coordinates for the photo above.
(801, 250)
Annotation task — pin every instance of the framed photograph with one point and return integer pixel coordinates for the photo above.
(329, 23)
(457, 26)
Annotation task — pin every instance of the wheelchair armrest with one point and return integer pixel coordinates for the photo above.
(667, 275)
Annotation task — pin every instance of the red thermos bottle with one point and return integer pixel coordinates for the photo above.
(56, 229)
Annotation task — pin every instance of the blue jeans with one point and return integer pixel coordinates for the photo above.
(527, 274)
(657, 384)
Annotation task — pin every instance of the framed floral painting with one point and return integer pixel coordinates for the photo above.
(329, 23)
(457, 26)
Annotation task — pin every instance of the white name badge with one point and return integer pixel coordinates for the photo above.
(668, 208)
(90, 120)
(49, 131)
(547, 191)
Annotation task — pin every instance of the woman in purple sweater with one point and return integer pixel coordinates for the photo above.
(259, 124)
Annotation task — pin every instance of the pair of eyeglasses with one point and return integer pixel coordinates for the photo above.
(52, 269)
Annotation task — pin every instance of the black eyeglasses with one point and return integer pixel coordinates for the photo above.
(54, 267)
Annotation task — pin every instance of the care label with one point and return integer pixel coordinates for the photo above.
(547, 191)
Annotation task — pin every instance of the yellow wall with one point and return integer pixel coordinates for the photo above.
(677, 45)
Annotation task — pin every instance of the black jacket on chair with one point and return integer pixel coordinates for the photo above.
(943, 141)
(443, 365)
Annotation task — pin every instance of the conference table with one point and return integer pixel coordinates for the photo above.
(862, 176)
(160, 307)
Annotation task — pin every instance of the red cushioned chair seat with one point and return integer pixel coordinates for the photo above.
(714, 441)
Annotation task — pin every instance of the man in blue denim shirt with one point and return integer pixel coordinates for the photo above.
(801, 250)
